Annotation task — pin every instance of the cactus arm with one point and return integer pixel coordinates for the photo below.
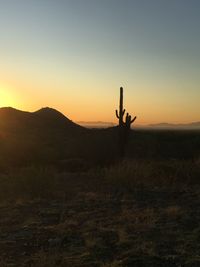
(123, 112)
(133, 119)
(117, 115)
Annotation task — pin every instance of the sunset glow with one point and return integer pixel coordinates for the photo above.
(74, 56)
(7, 98)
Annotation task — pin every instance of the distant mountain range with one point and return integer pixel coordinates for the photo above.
(102, 124)
(193, 125)
(51, 118)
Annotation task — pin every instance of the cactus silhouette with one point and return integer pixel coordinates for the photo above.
(124, 126)
(121, 113)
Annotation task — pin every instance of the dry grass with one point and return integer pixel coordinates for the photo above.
(46, 259)
(174, 174)
(140, 218)
(28, 183)
(142, 213)
(173, 212)
(126, 176)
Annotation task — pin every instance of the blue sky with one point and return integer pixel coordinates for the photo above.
(74, 55)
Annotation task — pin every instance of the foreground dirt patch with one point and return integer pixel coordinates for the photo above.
(144, 228)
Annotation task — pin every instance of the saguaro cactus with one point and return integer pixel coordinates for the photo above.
(124, 127)
(121, 113)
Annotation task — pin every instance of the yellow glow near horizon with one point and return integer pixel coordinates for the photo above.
(82, 103)
(7, 98)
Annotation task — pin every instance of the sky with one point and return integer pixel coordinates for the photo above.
(73, 55)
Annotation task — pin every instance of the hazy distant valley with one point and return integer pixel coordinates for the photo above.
(164, 125)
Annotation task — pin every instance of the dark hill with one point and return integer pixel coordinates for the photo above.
(47, 137)
(52, 116)
(44, 136)
(48, 119)
(11, 118)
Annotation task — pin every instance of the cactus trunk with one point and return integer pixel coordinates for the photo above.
(120, 115)
(121, 107)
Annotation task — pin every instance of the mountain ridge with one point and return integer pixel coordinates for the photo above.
(48, 117)
(53, 117)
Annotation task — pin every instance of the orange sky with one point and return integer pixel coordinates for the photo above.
(74, 57)
(83, 104)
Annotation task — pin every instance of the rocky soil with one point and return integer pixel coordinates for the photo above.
(90, 229)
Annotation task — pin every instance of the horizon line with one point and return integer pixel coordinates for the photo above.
(162, 124)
